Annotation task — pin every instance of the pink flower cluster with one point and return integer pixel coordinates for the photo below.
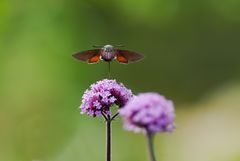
(149, 112)
(102, 95)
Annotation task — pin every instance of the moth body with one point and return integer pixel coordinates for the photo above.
(108, 53)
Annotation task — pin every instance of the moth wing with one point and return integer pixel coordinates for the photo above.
(90, 56)
(129, 55)
(94, 59)
(120, 58)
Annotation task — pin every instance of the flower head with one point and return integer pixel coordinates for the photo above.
(102, 95)
(148, 112)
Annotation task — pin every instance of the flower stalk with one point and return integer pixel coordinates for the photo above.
(109, 120)
(149, 137)
(108, 140)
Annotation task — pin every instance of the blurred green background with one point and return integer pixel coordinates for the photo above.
(192, 51)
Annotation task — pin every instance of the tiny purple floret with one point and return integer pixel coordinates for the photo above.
(102, 95)
(149, 113)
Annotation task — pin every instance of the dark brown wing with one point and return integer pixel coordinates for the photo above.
(90, 56)
(129, 55)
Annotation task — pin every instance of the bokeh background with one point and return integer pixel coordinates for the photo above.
(192, 51)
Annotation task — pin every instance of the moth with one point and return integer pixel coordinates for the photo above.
(108, 53)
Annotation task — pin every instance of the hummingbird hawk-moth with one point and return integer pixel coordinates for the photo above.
(108, 53)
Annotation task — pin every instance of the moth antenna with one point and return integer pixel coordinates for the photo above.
(97, 46)
(119, 45)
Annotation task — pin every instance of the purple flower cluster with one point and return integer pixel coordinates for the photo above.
(148, 112)
(102, 95)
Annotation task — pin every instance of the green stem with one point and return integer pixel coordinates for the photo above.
(108, 140)
(109, 120)
(149, 137)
